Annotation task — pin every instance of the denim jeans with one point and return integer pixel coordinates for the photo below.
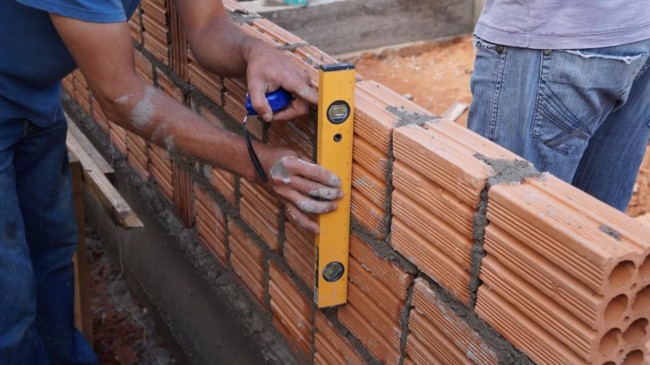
(38, 237)
(582, 115)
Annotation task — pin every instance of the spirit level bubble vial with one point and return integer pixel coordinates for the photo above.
(334, 152)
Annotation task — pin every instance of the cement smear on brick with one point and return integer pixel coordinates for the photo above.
(404, 117)
(509, 171)
(610, 231)
(242, 16)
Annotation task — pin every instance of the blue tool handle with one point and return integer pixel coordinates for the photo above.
(278, 100)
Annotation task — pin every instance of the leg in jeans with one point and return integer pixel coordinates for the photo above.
(546, 105)
(609, 167)
(43, 188)
(19, 340)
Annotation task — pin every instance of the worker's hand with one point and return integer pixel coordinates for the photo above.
(268, 70)
(304, 187)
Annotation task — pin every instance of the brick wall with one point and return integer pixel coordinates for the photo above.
(461, 253)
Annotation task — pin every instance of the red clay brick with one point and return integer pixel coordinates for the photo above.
(98, 116)
(560, 231)
(143, 68)
(390, 275)
(274, 33)
(461, 175)
(161, 170)
(419, 352)
(117, 136)
(247, 260)
(169, 87)
(262, 212)
(155, 25)
(369, 215)
(550, 257)
(183, 197)
(291, 310)
(298, 135)
(137, 154)
(540, 309)
(431, 260)
(374, 288)
(372, 312)
(445, 238)
(136, 27)
(365, 183)
(437, 329)
(299, 251)
(83, 99)
(364, 331)
(374, 161)
(204, 81)
(372, 122)
(68, 84)
(210, 224)
(433, 198)
(539, 345)
(332, 347)
(224, 182)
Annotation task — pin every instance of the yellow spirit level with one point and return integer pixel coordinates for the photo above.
(334, 141)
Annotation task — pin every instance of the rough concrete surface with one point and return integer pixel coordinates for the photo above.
(354, 25)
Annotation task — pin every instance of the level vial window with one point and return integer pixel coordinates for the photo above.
(338, 112)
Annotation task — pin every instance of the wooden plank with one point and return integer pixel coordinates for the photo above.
(90, 149)
(108, 196)
(82, 316)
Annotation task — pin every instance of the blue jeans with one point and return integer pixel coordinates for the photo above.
(38, 237)
(582, 115)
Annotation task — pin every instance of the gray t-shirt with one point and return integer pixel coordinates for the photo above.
(564, 24)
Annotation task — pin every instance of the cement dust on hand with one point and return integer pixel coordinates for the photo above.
(333, 180)
(326, 193)
(279, 172)
(311, 206)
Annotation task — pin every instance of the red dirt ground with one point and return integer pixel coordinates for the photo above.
(123, 332)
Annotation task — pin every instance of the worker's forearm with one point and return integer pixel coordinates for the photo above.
(162, 120)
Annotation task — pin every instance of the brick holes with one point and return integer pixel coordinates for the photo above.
(616, 308)
(644, 269)
(633, 358)
(610, 342)
(636, 332)
(642, 300)
(621, 274)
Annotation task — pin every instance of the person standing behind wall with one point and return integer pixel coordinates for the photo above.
(566, 85)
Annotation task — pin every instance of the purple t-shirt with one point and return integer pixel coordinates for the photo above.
(564, 24)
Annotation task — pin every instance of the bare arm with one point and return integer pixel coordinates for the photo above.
(223, 48)
(130, 102)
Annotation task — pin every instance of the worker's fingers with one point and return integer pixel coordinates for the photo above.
(301, 218)
(300, 87)
(303, 202)
(297, 108)
(293, 166)
(308, 187)
(257, 92)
